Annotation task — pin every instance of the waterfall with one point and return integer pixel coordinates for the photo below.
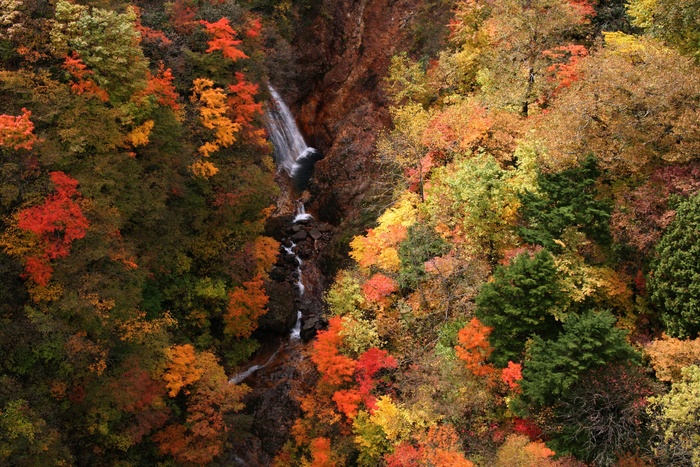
(291, 151)
(301, 215)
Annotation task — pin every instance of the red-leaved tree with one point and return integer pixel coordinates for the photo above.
(57, 223)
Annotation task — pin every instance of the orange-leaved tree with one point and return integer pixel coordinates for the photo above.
(17, 132)
(474, 348)
(56, 224)
(222, 38)
(334, 367)
(246, 304)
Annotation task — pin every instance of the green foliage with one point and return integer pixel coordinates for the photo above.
(107, 42)
(586, 342)
(421, 244)
(520, 304)
(565, 199)
(345, 296)
(674, 282)
(675, 22)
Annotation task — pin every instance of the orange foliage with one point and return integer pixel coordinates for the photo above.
(82, 84)
(321, 453)
(378, 287)
(222, 38)
(439, 447)
(181, 370)
(566, 70)
(57, 223)
(161, 87)
(246, 304)
(459, 127)
(474, 348)
(334, 367)
(265, 252)
(511, 375)
(203, 435)
(348, 402)
(669, 355)
(17, 132)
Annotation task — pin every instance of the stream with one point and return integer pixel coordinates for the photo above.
(278, 371)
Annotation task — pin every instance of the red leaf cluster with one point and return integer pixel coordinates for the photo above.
(222, 38)
(17, 132)
(82, 84)
(58, 223)
(378, 287)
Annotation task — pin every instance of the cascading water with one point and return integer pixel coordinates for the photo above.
(296, 159)
(291, 151)
(295, 333)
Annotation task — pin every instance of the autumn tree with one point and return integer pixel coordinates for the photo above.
(246, 305)
(674, 419)
(474, 348)
(513, 37)
(669, 356)
(478, 198)
(210, 398)
(222, 38)
(107, 42)
(334, 367)
(17, 132)
(56, 224)
(633, 109)
(212, 110)
(676, 23)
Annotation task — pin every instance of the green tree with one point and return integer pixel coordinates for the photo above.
(674, 282)
(588, 341)
(564, 199)
(421, 244)
(520, 303)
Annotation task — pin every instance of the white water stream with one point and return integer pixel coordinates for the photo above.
(293, 155)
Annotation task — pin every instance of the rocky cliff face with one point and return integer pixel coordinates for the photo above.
(341, 107)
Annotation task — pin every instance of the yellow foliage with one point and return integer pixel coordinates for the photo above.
(139, 135)
(393, 420)
(203, 168)
(378, 247)
(212, 111)
(181, 369)
(138, 329)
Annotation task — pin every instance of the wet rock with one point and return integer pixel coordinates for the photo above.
(315, 234)
(281, 314)
(300, 235)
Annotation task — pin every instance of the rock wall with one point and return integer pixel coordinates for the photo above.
(340, 105)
